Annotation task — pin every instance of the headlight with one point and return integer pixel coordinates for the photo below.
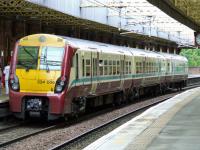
(14, 83)
(58, 88)
(15, 86)
(60, 85)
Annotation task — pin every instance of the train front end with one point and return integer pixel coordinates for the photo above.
(37, 78)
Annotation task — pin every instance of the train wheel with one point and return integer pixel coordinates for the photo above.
(137, 94)
(66, 117)
(79, 105)
(118, 99)
(131, 96)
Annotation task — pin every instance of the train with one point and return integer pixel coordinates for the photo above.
(56, 76)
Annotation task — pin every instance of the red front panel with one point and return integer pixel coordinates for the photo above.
(56, 101)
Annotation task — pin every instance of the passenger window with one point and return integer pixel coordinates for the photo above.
(100, 62)
(110, 67)
(129, 67)
(137, 67)
(110, 62)
(83, 67)
(118, 67)
(101, 67)
(87, 71)
(105, 67)
(114, 68)
(87, 62)
(105, 70)
(122, 67)
(142, 65)
(146, 67)
(88, 68)
(105, 62)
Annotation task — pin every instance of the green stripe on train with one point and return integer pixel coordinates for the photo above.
(108, 78)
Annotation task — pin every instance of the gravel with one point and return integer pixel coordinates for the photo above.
(90, 138)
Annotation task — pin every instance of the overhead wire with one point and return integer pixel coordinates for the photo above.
(141, 20)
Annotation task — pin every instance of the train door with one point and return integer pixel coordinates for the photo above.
(87, 67)
(143, 69)
(172, 68)
(82, 67)
(94, 71)
(75, 64)
(122, 62)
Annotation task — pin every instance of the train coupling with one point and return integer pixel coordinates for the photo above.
(34, 104)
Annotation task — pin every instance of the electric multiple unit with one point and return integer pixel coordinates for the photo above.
(54, 76)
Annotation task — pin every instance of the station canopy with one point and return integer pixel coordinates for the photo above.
(136, 12)
(25, 10)
(189, 8)
(186, 11)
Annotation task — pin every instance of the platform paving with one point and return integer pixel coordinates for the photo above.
(173, 124)
(183, 130)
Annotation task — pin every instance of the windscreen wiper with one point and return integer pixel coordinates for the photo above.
(24, 65)
(35, 59)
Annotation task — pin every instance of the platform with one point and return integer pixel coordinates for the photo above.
(4, 106)
(3, 97)
(193, 76)
(173, 124)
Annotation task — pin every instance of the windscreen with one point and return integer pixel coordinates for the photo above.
(51, 58)
(27, 57)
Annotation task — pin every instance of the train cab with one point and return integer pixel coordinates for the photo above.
(36, 69)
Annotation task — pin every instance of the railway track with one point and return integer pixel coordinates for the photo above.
(15, 133)
(3, 129)
(21, 131)
(11, 136)
(94, 130)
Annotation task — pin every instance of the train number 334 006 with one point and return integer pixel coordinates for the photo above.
(46, 81)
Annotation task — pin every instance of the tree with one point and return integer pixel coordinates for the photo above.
(193, 56)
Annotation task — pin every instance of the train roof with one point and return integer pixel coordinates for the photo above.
(174, 57)
(95, 46)
(108, 48)
(113, 49)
